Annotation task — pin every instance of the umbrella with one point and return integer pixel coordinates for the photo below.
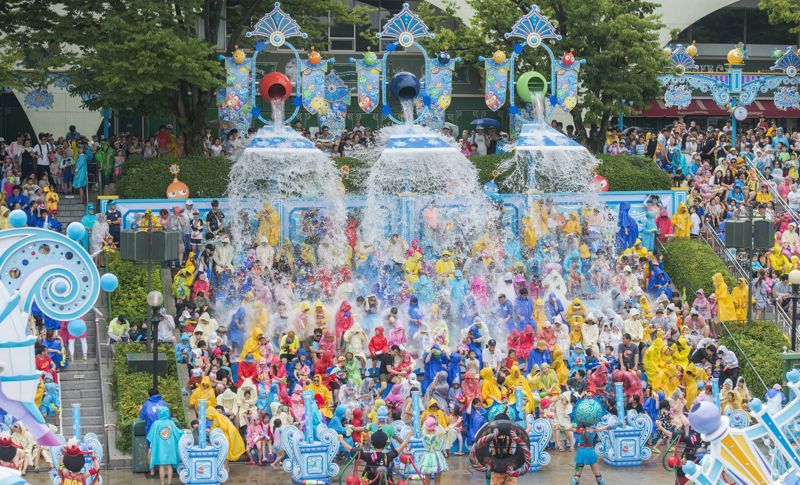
(486, 122)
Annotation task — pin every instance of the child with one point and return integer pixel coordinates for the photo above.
(379, 461)
(277, 443)
(256, 438)
(432, 461)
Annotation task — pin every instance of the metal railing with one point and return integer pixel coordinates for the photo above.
(781, 205)
(743, 354)
(98, 317)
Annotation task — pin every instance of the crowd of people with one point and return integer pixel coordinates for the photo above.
(560, 311)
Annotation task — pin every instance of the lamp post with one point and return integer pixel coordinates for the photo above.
(154, 300)
(794, 280)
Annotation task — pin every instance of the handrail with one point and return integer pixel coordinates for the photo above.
(743, 354)
(718, 245)
(98, 358)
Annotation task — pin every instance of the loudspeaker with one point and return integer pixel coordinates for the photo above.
(133, 245)
(763, 234)
(738, 234)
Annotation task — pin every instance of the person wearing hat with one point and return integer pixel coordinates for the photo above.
(378, 463)
(491, 357)
(215, 219)
(445, 268)
(633, 326)
(166, 327)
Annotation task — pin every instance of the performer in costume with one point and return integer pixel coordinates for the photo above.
(588, 413)
(73, 460)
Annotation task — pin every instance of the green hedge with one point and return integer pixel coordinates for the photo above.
(626, 173)
(130, 391)
(762, 342)
(207, 177)
(691, 264)
(147, 178)
(130, 298)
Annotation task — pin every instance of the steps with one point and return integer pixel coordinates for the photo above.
(80, 383)
(70, 210)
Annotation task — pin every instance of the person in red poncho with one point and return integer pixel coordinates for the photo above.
(664, 225)
(344, 320)
(247, 368)
(321, 366)
(378, 345)
(526, 341)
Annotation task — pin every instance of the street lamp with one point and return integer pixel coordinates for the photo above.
(154, 300)
(794, 280)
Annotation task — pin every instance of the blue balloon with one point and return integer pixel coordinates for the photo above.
(18, 218)
(109, 282)
(76, 328)
(75, 231)
(60, 287)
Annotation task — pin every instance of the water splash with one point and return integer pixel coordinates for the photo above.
(278, 113)
(407, 104)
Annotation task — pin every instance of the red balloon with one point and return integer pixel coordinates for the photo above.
(405, 458)
(353, 480)
(673, 461)
(568, 59)
(401, 482)
(275, 85)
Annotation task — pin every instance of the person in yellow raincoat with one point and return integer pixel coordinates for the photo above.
(252, 345)
(792, 264)
(318, 387)
(204, 390)
(411, 267)
(515, 380)
(51, 199)
(528, 233)
(644, 306)
(653, 361)
(573, 225)
(372, 415)
(433, 410)
(489, 388)
(739, 296)
(560, 366)
(182, 285)
(269, 225)
(445, 268)
(538, 313)
(549, 380)
(725, 309)
(533, 378)
(236, 446)
(680, 352)
(576, 315)
(670, 378)
(681, 221)
(777, 260)
(691, 375)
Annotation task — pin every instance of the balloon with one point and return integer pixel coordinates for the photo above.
(314, 58)
(444, 58)
(76, 328)
(735, 57)
(75, 231)
(370, 58)
(692, 50)
(568, 59)
(667, 52)
(499, 56)
(109, 282)
(18, 218)
(239, 56)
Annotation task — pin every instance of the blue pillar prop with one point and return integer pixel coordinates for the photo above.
(620, 395)
(76, 421)
(310, 405)
(715, 391)
(201, 427)
(519, 407)
(415, 411)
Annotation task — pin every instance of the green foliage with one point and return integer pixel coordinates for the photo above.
(130, 298)
(147, 178)
(130, 390)
(691, 264)
(783, 11)
(626, 173)
(758, 346)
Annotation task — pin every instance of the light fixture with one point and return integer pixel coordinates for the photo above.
(155, 299)
(794, 277)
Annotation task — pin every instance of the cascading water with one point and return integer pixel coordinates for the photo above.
(546, 159)
(408, 111)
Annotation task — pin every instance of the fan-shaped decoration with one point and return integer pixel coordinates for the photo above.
(534, 27)
(277, 26)
(406, 27)
(680, 57)
(789, 63)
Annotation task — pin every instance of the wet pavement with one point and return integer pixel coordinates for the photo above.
(559, 471)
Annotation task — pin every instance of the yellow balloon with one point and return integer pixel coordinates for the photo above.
(499, 56)
(735, 57)
(238, 56)
(692, 50)
(667, 52)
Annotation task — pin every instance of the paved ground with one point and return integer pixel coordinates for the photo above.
(559, 471)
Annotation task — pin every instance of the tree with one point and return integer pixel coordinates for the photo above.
(152, 57)
(783, 11)
(618, 39)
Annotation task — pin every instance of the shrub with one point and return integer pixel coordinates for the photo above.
(758, 347)
(626, 173)
(691, 264)
(130, 298)
(147, 178)
(130, 391)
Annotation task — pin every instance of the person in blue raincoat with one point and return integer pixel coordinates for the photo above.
(163, 438)
(236, 328)
(454, 369)
(458, 291)
(628, 229)
(88, 222)
(336, 423)
(475, 419)
(433, 361)
(423, 289)
(523, 311)
(149, 412)
(415, 317)
(649, 230)
(660, 283)
(553, 307)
